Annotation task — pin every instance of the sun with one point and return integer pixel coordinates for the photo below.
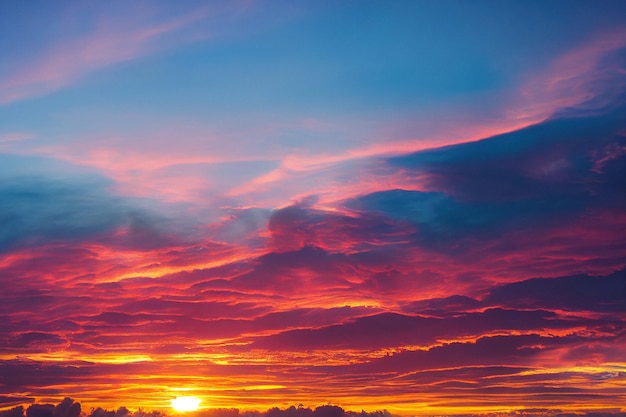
(182, 404)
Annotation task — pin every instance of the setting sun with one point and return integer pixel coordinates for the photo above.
(183, 404)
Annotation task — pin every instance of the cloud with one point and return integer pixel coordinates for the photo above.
(22, 375)
(32, 340)
(512, 350)
(66, 408)
(573, 293)
(13, 412)
(108, 41)
(556, 156)
(15, 137)
(241, 225)
(299, 225)
(191, 308)
(443, 306)
(41, 211)
(588, 77)
(576, 293)
(123, 412)
(390, 330)
(70, 408)
(510, 195)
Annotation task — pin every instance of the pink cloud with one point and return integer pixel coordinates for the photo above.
(573, 78)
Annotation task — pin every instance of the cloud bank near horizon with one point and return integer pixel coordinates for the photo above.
(70, 408)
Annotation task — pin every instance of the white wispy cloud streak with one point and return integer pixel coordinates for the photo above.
(109, 42)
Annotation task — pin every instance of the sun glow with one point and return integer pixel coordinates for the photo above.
(183, 404)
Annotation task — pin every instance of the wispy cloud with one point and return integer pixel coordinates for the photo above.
(107, 42)
(589, 76)
(15, 137)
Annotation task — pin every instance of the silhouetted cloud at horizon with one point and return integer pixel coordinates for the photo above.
(71, 408)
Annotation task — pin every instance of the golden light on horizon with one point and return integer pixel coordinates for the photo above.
(185, 404)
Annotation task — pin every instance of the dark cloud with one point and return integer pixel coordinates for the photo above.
(391, 330)
(474, 374)
(485, 351)
(38, 341)
(40, 410)
(20, 375)
(451, 305)
(13, 412)
(309, 317)
(66, 408)
(537, 178)
(300, 411)
(394, 282)
(38, 210)
(151, 332)
(284, 274)
(299, 225)
(69, 408)
(574, 293)
(190, 308)
(276, 272)
(555, 158)
(144, 328)
(124, 412)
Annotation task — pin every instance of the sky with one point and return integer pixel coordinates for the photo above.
(409, 208)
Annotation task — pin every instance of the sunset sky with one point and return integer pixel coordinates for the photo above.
(414, 206)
